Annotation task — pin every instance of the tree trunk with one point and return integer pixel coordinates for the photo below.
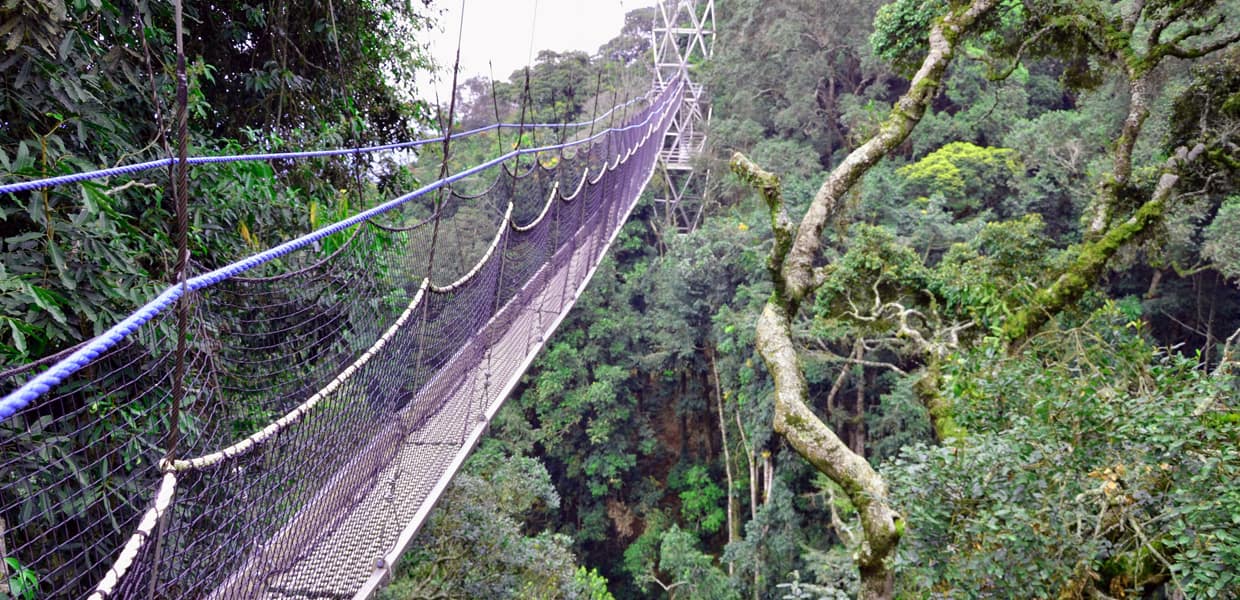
(810, 437)
(1102, 210)
(753, 494)
(858, 436)
(792, 271)
(733, 509)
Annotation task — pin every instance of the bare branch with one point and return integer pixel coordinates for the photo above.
(1020, 52)
(132, 183)
(1227, 359)
(833, 357)
(839, 380)
(847, 534)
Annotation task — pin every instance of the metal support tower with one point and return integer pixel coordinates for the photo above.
(684, 37)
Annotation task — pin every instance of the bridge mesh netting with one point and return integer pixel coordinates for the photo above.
(331, 387)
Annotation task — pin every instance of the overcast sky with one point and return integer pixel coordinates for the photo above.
(498, 32)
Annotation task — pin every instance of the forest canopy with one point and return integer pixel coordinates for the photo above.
(962, 318)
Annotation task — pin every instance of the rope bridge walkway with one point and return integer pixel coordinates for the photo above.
(330, 387)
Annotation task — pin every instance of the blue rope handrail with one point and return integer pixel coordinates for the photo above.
(37, 184)
(45, 381)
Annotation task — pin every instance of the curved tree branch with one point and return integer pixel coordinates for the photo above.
(1093, 256)
(798, 268)
(796, 278)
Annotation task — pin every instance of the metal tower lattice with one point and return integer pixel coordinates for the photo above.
(684, 37)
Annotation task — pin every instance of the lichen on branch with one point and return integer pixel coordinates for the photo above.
(795, 277)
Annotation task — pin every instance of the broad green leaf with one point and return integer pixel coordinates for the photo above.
(47, 301)
(19, 338)
(58, 259)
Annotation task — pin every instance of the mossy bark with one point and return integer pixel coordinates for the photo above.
(907, 112)
(1092, 257)
(796, 278)
(818, 444)
(928, 388)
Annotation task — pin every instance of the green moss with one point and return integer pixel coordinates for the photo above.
(1085, 269)
(1137, 565)
(795, 422)
(1221, 420)
(927, 388)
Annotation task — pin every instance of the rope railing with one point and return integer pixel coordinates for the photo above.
(17, 399)
(48, 182)
(323, 408)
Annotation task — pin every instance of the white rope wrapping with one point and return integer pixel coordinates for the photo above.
(581, 185)
(300, 411)
(163, 499)
(546, 207)
(499, 234)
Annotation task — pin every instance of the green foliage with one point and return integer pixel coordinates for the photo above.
(23, 583)
(899, 420)
(79, 95)
(1087, 459)
(996, 272)
(875, 265)
(700, 499)
(781, 81)
(1222, 244)
(311, 65)
(960, 224)
(593, 585)
(641, 556)
(901, 29)
(475, 546)
(692, 572)
(969, 177)
(775, 537)
(1207, 111)
(1059, 147)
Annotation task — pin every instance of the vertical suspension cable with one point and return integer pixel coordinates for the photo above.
(447, 146)
(354, 158)
(499, 135)
(526, 99)
(438, 207)
(181, 235)
(584, 192)
(598, 90)
(181, 198)
(529, 59)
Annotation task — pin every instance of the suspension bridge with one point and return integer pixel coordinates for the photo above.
(287, 434)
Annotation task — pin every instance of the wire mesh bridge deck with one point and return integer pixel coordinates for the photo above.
(327, 390)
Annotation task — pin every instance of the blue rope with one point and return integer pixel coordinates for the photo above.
(37, 184)
(45, 381)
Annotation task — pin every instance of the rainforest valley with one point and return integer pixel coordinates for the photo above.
(961, 320)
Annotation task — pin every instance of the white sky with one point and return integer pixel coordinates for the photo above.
(498, 31)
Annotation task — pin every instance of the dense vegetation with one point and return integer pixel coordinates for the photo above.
(1029, 338)
(997, 345)
(90, 84)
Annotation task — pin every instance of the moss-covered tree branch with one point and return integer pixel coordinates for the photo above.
(795, 277)
(1092, 257)
(798, 269)
(818, 444)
